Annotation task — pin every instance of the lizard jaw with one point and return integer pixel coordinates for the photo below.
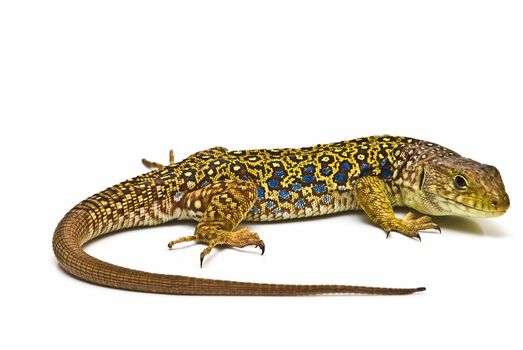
(462, 209)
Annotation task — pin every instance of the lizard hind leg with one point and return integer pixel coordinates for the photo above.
(154, 165)
(224, 206)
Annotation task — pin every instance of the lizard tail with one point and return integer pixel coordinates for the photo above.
(76, 228)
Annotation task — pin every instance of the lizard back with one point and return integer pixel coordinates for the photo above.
(296, 182)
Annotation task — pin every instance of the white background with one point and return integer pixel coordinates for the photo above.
(87, 90)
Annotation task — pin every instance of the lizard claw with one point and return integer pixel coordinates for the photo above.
(261, 246)
(206, 251)
(410, 226)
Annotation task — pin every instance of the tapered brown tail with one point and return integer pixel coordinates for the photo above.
(74, 231)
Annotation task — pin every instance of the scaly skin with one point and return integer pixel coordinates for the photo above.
(220, 189)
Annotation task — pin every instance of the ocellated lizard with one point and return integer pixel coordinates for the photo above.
(219, 189)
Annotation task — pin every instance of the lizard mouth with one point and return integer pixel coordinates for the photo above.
(479, 211)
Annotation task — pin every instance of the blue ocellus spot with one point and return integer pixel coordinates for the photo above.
(386, 172)
(300, 203)
(255, 209)
(269, 204)
(326, 199)
(344, 165)
(365, 169)
(307, 179)
(340, 178)
(273, 183)
(280, 174)
(309, 169)
(326, 171)
(296, 187)
(261, 193)
(319, 188)
(284, 194)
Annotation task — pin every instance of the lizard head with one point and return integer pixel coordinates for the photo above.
(459, 186)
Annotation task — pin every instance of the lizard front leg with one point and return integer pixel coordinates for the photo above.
(222, 206)
(373, 198)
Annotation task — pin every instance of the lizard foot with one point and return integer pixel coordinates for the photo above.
(240, 239)
(216, 237)
(154, 165)
(410, 226)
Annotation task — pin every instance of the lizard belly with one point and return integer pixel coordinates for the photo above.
(277, 206)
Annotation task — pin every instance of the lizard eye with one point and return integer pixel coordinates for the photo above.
(460, 182)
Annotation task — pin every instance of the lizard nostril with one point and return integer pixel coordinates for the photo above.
(495, 202)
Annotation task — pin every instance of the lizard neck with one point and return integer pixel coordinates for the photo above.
(410, 172)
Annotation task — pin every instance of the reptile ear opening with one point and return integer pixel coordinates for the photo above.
(421, 177)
